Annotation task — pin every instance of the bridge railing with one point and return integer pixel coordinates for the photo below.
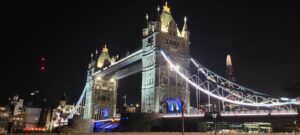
(213, 88)
(283, 112)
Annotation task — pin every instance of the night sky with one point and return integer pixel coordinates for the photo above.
(261, 36)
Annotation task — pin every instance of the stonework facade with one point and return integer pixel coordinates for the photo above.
(101, 95)
(159, 82)
(162, 89)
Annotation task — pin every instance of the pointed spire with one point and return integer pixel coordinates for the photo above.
(105, 49)
(228, 60)
(147, 19)
(64, 97)
(185, 28)
(158, 10)
(166, 8)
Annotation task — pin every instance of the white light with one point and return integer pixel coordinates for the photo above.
(195, 63)
(176, 67)
(285, 113)
(233, 114)
(284, 99)
(219, 97)
(98, 78)
(245, 114)
(179, 115)
(112, 80)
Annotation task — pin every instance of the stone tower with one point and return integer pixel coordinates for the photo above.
(162, 88)
(101, 95)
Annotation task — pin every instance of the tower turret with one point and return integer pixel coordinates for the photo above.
(104, 58)
(185, 32)
(92, 65)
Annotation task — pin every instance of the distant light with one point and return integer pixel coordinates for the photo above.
(43, 68)
(32, 94)
(284, 99)
(43, 59)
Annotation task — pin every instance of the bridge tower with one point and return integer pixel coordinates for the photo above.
(162, 88)
(101, 95)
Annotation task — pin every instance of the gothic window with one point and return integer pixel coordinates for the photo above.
(165, 80)
(150, 41)
(172, 81)
(103, 98)
(178, 83)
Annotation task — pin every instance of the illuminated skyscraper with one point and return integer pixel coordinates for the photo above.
(230, 77)
(229, 69)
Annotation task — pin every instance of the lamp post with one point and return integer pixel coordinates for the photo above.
(295, 124)
(137, 108)
(182, 115)
(33, 95)
(214, 114)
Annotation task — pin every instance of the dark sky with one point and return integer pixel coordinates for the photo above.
(261, 36)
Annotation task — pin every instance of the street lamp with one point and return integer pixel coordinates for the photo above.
(182, 115)
(34, 94)
(295, 124)
(137, 107)
(214, 114)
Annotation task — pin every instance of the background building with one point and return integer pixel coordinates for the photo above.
(4, 119)
(32, 117)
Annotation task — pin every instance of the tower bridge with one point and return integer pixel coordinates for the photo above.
(164, 61)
